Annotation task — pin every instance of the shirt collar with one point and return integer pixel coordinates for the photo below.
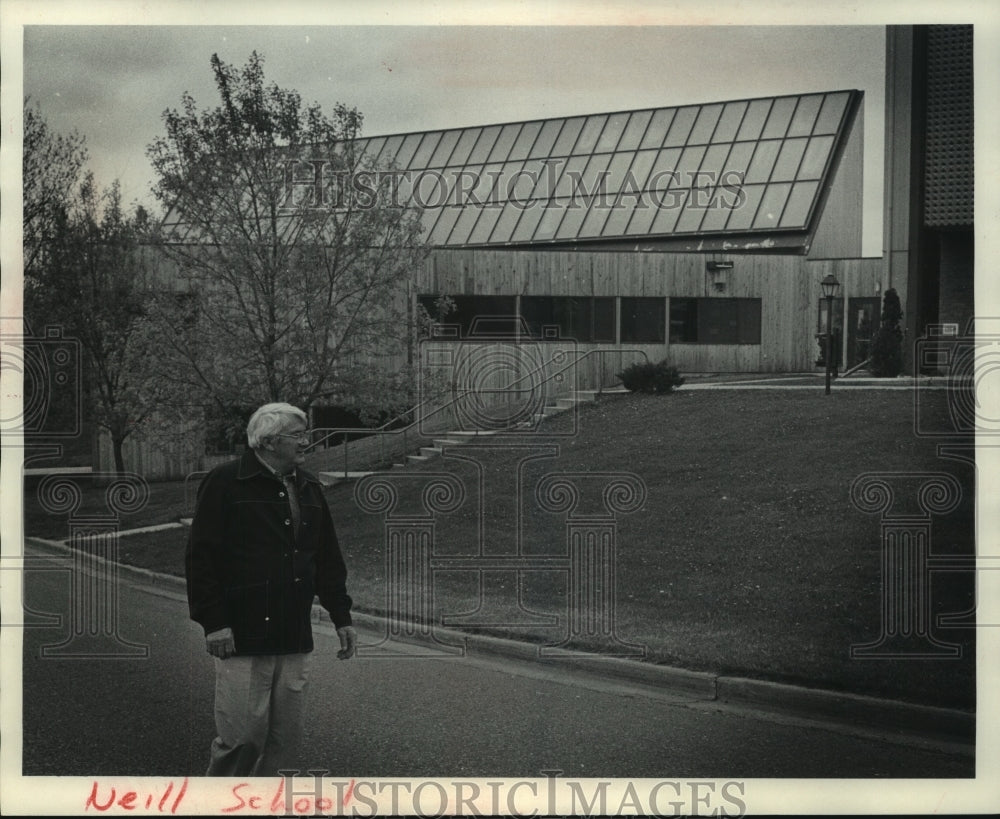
(251, 464)
(271, 470)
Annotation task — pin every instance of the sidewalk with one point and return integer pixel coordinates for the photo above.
(812, 381)
(950, 729)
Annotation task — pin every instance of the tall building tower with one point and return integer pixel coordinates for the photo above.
(929, 176)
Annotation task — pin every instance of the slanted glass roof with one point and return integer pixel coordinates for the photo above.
(747, 168)
(742, 167)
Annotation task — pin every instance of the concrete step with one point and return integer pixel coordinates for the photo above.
(443, 442)
(330, 478)
(430, 451)
(417, 458)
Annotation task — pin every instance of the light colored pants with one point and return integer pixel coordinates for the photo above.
(259, 714)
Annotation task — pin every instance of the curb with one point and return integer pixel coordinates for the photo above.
(855, 710)
(851, 711)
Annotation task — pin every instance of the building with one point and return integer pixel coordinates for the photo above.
(700, 234)
(929, 176)
(697, 234)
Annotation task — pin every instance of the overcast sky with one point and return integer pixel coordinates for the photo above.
(112, 83)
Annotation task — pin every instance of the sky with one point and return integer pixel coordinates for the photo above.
(112, 83)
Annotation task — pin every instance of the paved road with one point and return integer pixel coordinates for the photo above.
(410, 717)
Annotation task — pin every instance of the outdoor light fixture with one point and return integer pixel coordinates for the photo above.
(718, 271)
(830, 286)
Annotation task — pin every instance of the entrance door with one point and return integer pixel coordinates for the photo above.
(863, 320)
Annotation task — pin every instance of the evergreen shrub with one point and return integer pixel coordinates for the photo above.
(656, 378)
(887, 345)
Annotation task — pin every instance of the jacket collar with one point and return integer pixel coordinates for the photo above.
(250, 467)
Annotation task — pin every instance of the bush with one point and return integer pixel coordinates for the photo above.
(887, 345)
(654, 378)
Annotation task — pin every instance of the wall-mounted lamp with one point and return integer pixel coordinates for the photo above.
(718, 270)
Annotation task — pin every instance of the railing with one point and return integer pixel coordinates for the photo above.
(400, 434)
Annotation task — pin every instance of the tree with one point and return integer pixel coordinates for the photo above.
(94, 283)
(51, 168)
(291, 243)
(887, 346)
(84, 272)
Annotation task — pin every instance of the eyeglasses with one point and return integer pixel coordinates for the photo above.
(305, 435)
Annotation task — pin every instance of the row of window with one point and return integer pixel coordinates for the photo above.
(724, 208)
(737, 121)
(654, 172)
(595, 319)
(734, 167)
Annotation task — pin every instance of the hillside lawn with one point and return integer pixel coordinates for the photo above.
(748, 557)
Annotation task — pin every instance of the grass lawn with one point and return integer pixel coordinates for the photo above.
(747, 558)
(167, 504)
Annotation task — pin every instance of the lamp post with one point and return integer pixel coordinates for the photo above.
(830, 286)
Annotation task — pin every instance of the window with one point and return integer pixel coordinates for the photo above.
(715, 321)
(683, 321)
(643, 319)
(475, 315)
(581, 318)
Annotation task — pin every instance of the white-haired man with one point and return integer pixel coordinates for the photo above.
(262, 545)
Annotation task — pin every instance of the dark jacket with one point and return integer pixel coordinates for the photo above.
(247, 570)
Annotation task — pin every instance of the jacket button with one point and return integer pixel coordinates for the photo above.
(287, 522)
(281, 494)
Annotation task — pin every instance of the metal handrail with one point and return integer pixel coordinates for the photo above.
(382, 432)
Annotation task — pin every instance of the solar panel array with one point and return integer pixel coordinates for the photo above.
(732, 167)
(742, 167)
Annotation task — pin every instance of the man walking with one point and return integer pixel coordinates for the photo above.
(262, 545)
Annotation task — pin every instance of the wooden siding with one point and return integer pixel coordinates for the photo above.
(164, 458)
(788, 287)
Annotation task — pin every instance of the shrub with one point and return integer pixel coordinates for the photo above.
(656, 378)
(887, 345)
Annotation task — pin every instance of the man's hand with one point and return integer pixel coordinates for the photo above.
(221, 643)
(348, 642)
